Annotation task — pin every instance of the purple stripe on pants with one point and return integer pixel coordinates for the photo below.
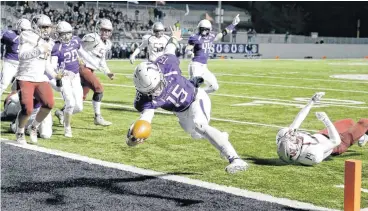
(202, 107)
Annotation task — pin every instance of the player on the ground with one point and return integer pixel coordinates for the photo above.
(12, 108)
(304, 148)
(96, 45)
(156, 43)
(199, 47)
(11, 41)
(34, 60)
(64, 55)
(161, 85)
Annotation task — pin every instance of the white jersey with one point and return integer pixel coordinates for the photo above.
(156, 46)
(97, 48)
(314, 149)
(33, 62)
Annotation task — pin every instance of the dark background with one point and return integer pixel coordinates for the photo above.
(338, 19)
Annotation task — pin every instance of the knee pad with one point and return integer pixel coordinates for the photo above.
(97, 97)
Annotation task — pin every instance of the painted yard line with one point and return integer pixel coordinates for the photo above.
(294, 87)
(289, 101)
(288, 78)
(248, 97)
(181, 179)
(342, 186)
(130, 75)
(213, 118)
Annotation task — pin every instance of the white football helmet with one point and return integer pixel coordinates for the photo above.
(42, 25)
(105, 28)
(23, 25)
(204, 27)
(289, 146)
(64, 32)
(148, 79)
(158, 29)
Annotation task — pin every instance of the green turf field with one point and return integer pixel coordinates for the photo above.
(276, 89)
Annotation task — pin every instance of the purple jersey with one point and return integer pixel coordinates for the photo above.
(178, 94)
(202, 46)
(11, 41)
(68, 53)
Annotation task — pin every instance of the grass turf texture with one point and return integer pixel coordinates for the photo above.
(169, 149)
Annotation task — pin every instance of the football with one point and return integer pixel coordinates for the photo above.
(141, 129)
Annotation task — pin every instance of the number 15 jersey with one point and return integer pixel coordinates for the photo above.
(176, 96)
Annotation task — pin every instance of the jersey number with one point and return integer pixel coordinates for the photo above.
(206, 47)
(70, 56)
(176, 94)
(158, 47)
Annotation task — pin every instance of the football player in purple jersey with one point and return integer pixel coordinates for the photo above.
(161, 85)
(199, 47)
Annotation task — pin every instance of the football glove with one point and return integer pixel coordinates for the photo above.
(197, 81)
(131, 140)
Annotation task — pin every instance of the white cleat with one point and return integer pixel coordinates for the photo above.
(236, 165)
(21, 139)
(99, 120)
(68, 132)
(60, 115)
(363, 141)
(32, 134)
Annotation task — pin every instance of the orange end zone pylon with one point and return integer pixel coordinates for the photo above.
(352, 186)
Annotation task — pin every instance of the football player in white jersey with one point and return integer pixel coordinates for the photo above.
(34, 60)
(96, 45)
(156, 43)
(307, 149)
(11, 41)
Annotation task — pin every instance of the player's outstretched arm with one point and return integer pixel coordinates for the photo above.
(332, 131)
(228, 29)
(173, 43)
(138, 50)
(305, 111)
(87, 57)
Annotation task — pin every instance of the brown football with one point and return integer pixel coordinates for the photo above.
(141, 129)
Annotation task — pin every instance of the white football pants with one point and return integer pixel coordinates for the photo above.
(10, 68)
(72, 93)
(195, 121)
(199, 69)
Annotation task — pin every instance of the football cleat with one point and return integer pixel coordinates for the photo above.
(21, 139)
(236, 165)
(68, 132)
(99, 120)
(363, 141)
(32, 134)
(60, 115)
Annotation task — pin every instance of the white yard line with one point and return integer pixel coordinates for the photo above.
(294, 87)
(342, 186)
(252, 97)
(181, 179)
(130, 75)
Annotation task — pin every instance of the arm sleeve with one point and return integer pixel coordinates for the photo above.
(224, 32)
(103, 64)
(172, 46)
(333, 135)
(25, 54)
(51, 65)
(147, 115)
(87, 57)
(301, 116)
